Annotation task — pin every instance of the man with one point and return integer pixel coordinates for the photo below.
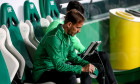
(56, 48)
(76, 43)
(110, 78)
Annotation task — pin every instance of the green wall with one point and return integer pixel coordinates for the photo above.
(95, 31)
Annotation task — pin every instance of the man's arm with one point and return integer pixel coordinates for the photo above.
(77, 44)
(72, 56)
(54, 51)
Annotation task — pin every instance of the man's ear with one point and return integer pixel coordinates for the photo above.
(69, 24)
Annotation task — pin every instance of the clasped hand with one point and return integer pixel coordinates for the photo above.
(88, 68)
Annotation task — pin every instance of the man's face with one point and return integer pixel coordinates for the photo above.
(75, 28)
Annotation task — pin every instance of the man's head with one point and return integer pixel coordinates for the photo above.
(75, 5)
(74, 20)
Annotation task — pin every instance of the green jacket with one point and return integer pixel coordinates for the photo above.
(76, 43)
(53, 51)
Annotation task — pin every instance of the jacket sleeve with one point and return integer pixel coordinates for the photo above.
(55, 53)
(77, 44)
(75, 58)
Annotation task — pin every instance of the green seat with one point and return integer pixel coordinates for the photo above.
(48, 7)
(8, 18)
(4, 75)
(31, 13)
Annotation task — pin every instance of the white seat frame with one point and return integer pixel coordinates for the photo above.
(11, 62)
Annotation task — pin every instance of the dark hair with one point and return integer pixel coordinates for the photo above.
(74, 16)
(75, 5)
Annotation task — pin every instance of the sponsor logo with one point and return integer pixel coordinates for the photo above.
(31, 6)
(52, 2)
(9, 9)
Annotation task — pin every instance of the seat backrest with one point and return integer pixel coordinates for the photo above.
(14, 52)
(11, 61)
(48, 7)
(25, 29)
(49, 18)
(44, 24)
(32, 37)
(9, 18)
(31, 14)
(4, 75)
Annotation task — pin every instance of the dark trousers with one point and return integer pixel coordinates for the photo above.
(65, 77)
(104, 68)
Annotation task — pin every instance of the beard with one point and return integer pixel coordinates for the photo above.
(71, 34)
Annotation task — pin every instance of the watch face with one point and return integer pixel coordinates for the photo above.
(92, 75)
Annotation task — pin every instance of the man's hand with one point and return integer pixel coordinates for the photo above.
(88, 68)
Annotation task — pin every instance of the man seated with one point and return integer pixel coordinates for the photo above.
(94, 59)
(56, 48)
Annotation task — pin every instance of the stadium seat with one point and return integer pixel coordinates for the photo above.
(14, 52)
(4, 75)
(45, 23)
(48, 7)
(32, 37)
(31, 14)
(13, 26)
(11, 62)
(49, 18)
(8, 18)
(25, 29)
